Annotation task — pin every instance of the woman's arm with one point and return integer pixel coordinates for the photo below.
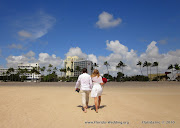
(102, 83)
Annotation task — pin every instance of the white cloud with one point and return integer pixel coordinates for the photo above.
(24, 34)
(15, 46)
(76, 52)
(30, 54)
(92, 57)
(119, 52)
(36, 26)
(107, 20)
(44, 59)
(116, 47)
(152, 50)
(174, 53)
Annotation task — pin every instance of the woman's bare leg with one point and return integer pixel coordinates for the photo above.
(96, 103)
(99, 101)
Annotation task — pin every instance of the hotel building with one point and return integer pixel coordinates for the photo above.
(71, 63)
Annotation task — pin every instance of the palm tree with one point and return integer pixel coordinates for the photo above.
(42, 71)
(118, 67)
(64, 71)
(19, 74)
(78, 68)
(95, 65)
(26, 71)
(3, 75)
(71, 70)
(34, 71)
(107, 64)
(122, 65)
(7, 74)
(171, 68)
(50, 68)
(146, 65)
(177, 68)
(22, 71)
(140, 64)
(155, 64)
(150, 65)
(61, 70)
(68, 69)
(11, 71)
(55, 69)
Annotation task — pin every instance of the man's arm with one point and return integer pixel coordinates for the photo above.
(78, 83)
(90, 82)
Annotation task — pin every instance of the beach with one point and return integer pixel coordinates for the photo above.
(57, 105)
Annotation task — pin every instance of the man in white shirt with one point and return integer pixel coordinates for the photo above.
(84, 80)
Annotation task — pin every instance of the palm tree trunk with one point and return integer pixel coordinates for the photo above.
(141, 70)
(157, 74)
(150, 73)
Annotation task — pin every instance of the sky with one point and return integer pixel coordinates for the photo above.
(47, 31)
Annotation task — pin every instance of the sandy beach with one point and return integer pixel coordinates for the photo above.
(57, 105)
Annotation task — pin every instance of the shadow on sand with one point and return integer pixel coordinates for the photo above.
(92, 107)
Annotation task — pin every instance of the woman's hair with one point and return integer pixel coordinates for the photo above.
(95, 73)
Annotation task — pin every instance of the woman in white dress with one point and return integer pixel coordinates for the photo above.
(97, 88)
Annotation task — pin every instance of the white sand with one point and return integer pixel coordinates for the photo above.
(33, 105)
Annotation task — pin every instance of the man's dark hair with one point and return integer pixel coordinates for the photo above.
(84, 70)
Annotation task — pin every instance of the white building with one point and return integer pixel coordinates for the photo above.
(29, 67)
(3, 71)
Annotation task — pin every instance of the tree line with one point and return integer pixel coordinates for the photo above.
(51, 72)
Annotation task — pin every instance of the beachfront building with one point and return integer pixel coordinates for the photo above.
(74, 65)
(161, 76)
(3, 71)
(29, 67)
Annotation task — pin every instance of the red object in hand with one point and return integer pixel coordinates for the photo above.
(104, 80)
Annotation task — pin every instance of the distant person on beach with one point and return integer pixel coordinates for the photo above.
(97, 88)
(85, 81)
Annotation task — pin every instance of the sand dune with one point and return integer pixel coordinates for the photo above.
(57, 105)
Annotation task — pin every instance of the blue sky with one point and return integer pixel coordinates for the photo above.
(53, 27)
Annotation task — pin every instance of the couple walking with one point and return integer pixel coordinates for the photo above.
(89, 84)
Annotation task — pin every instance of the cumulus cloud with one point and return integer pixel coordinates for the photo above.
(152, 50)
(13, 61)
(107, 20)
(35, 26)
(76, 52)
(116, 47)
(119, 52)
(92, 57)
(15, 46)
(174, 53)
(30, 54)
(44, 59)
